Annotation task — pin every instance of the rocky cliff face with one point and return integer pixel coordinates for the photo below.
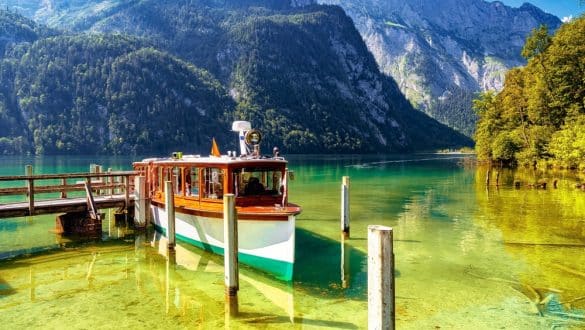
(302, 76)
(441, 52)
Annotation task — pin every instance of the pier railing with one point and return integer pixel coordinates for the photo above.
(53, 189)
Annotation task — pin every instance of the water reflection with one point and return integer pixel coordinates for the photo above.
(495, 258)
(545, 229)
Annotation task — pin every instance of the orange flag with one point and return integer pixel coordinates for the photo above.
(214, 149)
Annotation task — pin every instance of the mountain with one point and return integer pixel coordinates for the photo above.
(442, 52)
(302, 75)
(88, 94)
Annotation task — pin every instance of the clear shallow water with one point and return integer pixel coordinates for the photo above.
(466, 257)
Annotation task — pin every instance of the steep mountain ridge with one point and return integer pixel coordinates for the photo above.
(302, 75)
(443, 51)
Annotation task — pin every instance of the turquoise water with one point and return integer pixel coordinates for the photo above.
(466, 256)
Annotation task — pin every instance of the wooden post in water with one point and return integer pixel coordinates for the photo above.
(127, 193)
(64, 191)
(140, 205)
(380, 278)
(28, 171)
(487, 176)
(170, 208)
(98, 169)
(110, 181)
(345, 207)
(230, 256)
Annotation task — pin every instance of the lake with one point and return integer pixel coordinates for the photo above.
(466, 256)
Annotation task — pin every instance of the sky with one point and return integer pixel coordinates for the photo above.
(559, 8)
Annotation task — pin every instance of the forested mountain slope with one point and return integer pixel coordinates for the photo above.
(301, 75)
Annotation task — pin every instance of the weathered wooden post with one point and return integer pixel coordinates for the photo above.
(127, 192)
(170, 208)
(345, 207)
(110, 181)
(230, 243)
(140, 202)
(380, 278)
(98, 169)
(28, 171)
(64, 189)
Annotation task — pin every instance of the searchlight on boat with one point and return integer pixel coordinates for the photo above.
(249, 138)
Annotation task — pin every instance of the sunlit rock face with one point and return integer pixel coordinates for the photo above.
(441, 52)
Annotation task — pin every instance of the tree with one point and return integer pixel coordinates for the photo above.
(536, 43)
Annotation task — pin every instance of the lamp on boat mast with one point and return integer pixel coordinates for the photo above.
(249, 138)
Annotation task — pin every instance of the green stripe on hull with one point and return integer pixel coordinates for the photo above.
(281, 269)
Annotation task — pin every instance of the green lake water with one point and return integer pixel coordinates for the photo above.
(466, 257)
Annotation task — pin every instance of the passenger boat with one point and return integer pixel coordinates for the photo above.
(266, 220)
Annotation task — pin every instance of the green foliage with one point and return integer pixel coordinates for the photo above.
(536, 43)
(112, 94)
(147, 83)
(568, 144)
(537, 116)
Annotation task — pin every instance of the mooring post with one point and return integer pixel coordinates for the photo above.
(170, 208)
(140, 207)
(380, 278)
(230, 256)
(64, 189)
(110, 182)
(98, 169)
(345, 207)
(127, 192)
(28, 171)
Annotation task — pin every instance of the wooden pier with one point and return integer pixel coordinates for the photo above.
(48, 193)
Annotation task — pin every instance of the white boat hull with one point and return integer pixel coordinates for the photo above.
(268, 245)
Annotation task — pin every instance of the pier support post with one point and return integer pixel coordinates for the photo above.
(28, 171)
(110, 181)
(140, 202)
(381, 308)
(127, 192)
(230, 242)
(64, 191)
(345, 207)
(170, 208)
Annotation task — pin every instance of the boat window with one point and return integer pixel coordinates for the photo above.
(192, 186)
(161, 182)
(213, 187)
(250, 181)
(176, 178)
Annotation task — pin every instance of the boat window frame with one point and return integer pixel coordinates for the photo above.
(203, 179)
(239, 185)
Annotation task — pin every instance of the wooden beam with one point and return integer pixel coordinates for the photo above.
(90, 201)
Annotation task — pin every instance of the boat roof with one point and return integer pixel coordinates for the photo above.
(223, 160)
